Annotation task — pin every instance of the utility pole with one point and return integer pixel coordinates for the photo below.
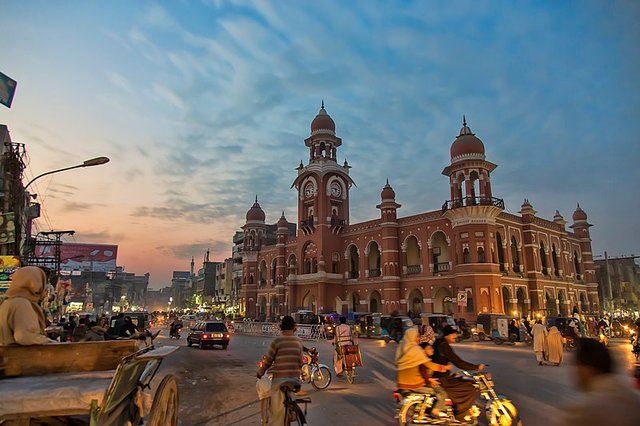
(609, 288)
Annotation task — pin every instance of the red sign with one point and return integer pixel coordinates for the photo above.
(82, 257)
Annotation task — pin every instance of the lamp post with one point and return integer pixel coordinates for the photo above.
(88, 163)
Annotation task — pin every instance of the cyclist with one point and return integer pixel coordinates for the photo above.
(343, 337)
(284, 358)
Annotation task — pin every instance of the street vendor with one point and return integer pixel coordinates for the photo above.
(22, 319)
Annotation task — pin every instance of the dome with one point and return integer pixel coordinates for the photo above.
(387, 192)
(579, 214)
(282, 222)
(323, 121)
(255, 213)
(467, 145)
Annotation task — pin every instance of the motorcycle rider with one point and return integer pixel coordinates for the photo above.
(461, 392)
(343, 337)
(414, 370)
(175, 327)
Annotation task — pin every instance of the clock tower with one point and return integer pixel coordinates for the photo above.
(323, 185)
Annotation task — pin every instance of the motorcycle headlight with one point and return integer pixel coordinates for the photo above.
(473, 330)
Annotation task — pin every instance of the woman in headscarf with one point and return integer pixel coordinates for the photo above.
(414, 367)
(554, 345)
(428, 336)
(22, 320)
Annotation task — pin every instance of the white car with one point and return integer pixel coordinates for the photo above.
(189, 320)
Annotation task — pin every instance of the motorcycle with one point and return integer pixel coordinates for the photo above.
(477, 334)
(414, 408)
(174, 332)
(635, 347)
(603, 337)
(319, 375)
(568, 343)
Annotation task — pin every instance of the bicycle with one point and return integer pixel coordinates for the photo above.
(293, 413)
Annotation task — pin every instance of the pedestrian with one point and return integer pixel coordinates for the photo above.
(95, 333)
(21, 317)
(539, 333)
(285, 360)
(79, 331)
(605, 399)
(343, 337)
(554, 346)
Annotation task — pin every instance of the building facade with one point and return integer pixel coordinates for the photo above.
(468, 257)
(619, 283)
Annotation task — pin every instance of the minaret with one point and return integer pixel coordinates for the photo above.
(390, 256)
(583, 265)
(282, 235)
(254, 234)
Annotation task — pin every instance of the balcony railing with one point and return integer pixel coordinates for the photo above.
(516, 268)
(473, 201)
(262, 282)
(307, 223)
(545, 271)
(353, 274)
(374, 273)
(337, 221)
(413, 269)
(441, 267)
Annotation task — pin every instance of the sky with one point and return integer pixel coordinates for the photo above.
(201, 105)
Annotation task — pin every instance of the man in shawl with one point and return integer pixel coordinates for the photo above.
(554, 345)
(462, 393)
(539, 333)
(22, 320)
(414, 369)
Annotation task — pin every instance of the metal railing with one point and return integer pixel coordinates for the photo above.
(414, 269)
(472, 201)
(374, 272)
(353, 274)
(441, 267)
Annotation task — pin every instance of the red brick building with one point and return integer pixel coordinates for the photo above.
(468, 257)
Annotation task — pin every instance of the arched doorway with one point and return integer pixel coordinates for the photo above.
(484, 302)
(440, 256)
(442, 302)
(562, 299)
(414, 303)
(309, 302)
(262, 308)
(506, 301)
(353, 260)
(274, 308)
(584, 303)
(521, 305)
(353, 302)
(550, 304)
(373, 259)
(375, 304)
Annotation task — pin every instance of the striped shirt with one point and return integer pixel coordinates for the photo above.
(284, 356)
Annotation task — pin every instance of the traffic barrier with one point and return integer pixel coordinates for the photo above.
(304, 331)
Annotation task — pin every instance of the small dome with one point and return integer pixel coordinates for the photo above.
(579, 214)
(255, 213)
(323, 121)
(466, 145)
(282, 222)
(387, 192)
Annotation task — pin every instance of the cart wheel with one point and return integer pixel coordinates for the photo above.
(351, 375)
(164, 409)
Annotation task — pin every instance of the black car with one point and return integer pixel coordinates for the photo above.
(209, 333)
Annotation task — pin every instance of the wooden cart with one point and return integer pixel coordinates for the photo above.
(91, 383)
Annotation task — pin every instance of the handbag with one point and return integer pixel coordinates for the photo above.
(263, 386)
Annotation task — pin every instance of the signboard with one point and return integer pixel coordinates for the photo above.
(81, 256)
(462, 298)
(7, 228)
(8, 265)
(7, 90)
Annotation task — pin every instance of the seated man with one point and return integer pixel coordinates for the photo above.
(343, 336)
(462, 393)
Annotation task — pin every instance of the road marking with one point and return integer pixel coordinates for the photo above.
(382, 361)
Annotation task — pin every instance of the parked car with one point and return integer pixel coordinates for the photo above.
(209, 333)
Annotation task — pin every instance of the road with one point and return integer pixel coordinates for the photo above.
(217, 387)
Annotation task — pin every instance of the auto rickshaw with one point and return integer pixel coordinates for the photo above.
(393, 327)
(496, 327)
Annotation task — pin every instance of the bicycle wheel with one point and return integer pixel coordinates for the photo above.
(350, 373)
(321, 378)
(294, 415)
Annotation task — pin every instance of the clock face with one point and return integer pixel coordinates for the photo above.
(308, 190)
(336, 189)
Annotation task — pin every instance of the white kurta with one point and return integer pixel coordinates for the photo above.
(539, 333)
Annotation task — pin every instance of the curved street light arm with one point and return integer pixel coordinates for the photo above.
(88, 163)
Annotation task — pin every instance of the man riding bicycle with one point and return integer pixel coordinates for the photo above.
(284, 358)
(343, 337)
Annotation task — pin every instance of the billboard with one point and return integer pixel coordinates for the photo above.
(8, 265)
(81, 256)
(7, 228)
(7, 90)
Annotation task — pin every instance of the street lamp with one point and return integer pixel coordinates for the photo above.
(88, 163)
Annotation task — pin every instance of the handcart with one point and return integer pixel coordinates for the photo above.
(88, 383)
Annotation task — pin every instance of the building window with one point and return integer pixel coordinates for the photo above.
(515, 256)
(543, 259)
(481, 258)
(466, 257)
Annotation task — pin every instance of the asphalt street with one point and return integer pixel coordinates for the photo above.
(217, 387)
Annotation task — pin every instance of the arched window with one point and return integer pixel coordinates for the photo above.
(466, 257)
(576, 264)
(440, 252)
(335, 263)
(481, 258)
(354, 261)
(554, 258)
(470, 306)
(373, 260)
(413, 258)
(274, 267)
(262, 274)
(515, 256)
(500, 251)
(543, 259)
